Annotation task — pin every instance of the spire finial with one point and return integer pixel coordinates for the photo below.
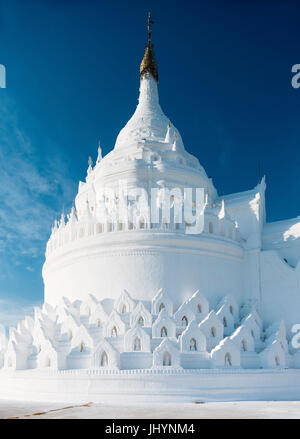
(90, 168)
(168, 134)
(174, 147)
(99, 158)
(149, 27)
(148, 64)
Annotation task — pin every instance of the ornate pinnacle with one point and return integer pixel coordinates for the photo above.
(168, 137)
(148, 64)
(99, 158)
(149, 27)
(174, 147)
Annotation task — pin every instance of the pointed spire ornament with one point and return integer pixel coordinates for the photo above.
(148, 64)
(174, 147)
(55, 226)
(206, 199)
(168, 135)
(222, 212)
(99, 158)
(90, 168)
(72, 216)
(62, 221)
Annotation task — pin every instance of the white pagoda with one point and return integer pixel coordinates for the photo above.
(147, 309)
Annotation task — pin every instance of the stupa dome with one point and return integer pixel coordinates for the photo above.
(148, 122)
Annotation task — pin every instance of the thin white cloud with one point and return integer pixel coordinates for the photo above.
(28, 268)
(32, 192)
(13, 311)
(25, 183)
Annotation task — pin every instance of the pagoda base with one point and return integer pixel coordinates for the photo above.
(150, 385)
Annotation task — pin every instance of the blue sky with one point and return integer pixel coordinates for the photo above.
(72, 78)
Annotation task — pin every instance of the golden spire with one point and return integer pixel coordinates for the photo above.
(148, 64)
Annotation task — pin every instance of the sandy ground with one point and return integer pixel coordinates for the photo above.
(209, 410)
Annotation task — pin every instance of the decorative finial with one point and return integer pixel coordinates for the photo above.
(206, 198)
(99, 158)
(148, 64)
(222, 212)
(149, 27)
(168, 135)
(174, 147)
(90, 168)
(62, 220)
(55, 227)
